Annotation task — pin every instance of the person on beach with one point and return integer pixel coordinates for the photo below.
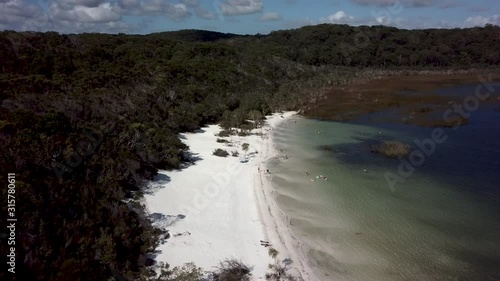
(307, 173)
(265, 243)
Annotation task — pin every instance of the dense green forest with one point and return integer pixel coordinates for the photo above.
(85, 119)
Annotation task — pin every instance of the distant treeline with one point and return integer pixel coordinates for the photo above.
(85, 119)
(380, 46)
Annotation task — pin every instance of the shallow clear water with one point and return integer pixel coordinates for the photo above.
(441, 223)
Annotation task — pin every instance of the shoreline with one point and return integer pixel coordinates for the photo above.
(219, 208)
(278, 222)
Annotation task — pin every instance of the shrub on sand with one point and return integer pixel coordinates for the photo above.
(231, 270)
(226, 133)
(245, 147)
(243, 133)
(188, 272)
(220, 152)
(279, 271)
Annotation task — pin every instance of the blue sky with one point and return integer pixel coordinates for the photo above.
(238, 16)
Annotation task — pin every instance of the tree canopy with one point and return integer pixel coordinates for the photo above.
(86, 118)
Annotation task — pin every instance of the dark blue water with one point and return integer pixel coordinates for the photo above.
(442, 222)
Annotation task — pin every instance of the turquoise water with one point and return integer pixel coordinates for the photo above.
(441, 223)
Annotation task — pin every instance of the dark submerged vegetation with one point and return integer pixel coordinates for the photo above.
(392, 149)
(86, 119)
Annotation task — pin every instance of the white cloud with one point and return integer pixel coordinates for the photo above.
(176, 12)
(381, 20)
(270, 16)
(129, 4)
(205, 14)
(118, 26)
(108, 27)
(69, 4)
(15, 12)
(100, 14)
(190, 3)
(482, 21)
(410, 3)
(375, 2)
(153, 7)
(342, 17)
(241, 7)
(339, 17)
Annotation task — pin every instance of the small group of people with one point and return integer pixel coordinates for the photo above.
(322, 177)
(318, 177)
(266, 171)
(183, 233)
(265, 243)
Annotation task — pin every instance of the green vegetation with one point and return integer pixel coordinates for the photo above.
(327, 148)
(386, 47)
(87, 118)
(230, 270)
(220, 152)
(456, 121)
(243, 133)
(188, 272)
(280, 270)
(245, 147)
(422, 104)
(391, 149)
(226, 133)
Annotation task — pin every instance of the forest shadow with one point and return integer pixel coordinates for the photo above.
(161, 178)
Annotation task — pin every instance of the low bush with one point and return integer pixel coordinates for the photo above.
(220, 152)
(247, 126)
(243, 133)
(231, 270)
(226, 133)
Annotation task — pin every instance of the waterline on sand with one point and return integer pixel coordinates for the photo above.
(227, 206)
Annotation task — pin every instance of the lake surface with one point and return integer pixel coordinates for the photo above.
(442, 222)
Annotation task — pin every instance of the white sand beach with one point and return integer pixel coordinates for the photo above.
(228, 205)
